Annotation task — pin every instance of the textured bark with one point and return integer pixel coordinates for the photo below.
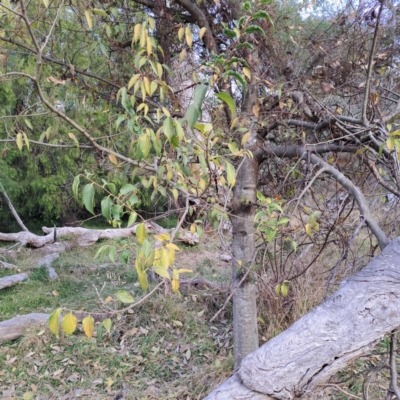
(12, 280)
(348, 324)
(14, 328)
(243, 249)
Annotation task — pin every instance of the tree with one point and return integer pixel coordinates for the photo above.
(279, 98)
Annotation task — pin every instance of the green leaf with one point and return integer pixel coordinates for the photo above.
(261, 14)
(169, 128)
(100, 12)
(144, 145)
(254, 29)
(28, 123)
(229, 101)
(132, 218)
(54, 321)
(192, 115)
(127, 189)
(162, 271)
(229, 33)
(88, 197)
(241, 80)
(107, 324)
(199, 96)
(75, 186)
(245, 45)
(283, 221)
(124, 297)
(106, 205)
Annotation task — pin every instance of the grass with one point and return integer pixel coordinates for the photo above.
(164, 349)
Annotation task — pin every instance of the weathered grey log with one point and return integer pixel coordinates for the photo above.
(14, 328)
(3, 264)
(47, 261)
(348, 324)
(12, 280)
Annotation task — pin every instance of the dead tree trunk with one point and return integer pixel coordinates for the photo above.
(347, 325)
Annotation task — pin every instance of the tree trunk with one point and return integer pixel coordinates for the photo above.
(347, 325)
(243, 248)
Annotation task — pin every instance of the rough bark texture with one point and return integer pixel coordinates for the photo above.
(348, 324)
(243, 249)
(14, 328)
(12, 280)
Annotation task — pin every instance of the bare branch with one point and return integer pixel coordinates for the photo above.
(369, 71)
(12, 209)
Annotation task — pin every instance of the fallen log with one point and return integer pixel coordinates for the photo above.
(295, 364)
(3, 264)
(14, 328)
(12, 280)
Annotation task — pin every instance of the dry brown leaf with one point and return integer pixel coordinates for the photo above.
(327, 87)
(55, 80)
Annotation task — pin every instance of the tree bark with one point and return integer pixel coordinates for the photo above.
(294, 364)
(243, 248)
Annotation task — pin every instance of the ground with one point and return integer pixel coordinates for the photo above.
(164, 349)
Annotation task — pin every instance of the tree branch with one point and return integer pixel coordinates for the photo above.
(369, 71)
(12, 209)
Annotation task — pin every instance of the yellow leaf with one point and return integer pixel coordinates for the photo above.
(189, 37)
(234, 122)
(284, 289)
(26, 140)
(230, 174)
(308, 229)
(143, 38)
(183, 270)
(19, 142)
(172, 246)
(181, 32)
(88, 326)
(133, 80)
(246, 137)
(278, 289)
(151, 22)
(193, 229)
(390, 143)
(153, 87)
(149, 46)
(237, 31)
(46, 3)
(202, 32)
(182, 55)
(113, 159)
(146, 83)
(55, 293)
(142, 277)
(54, 321)
(256, 110)
(69, 323)
(175, 285)
(159, 70)
(137, 32)
(108, 299)
(72, 136)
(143, 90)
(89, 20)
(166, 112)
(141, 233)
(247, 73)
